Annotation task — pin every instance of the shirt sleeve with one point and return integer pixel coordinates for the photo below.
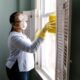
(19, 43)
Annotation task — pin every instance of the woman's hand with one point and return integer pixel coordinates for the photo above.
(51, 27)
(41, 33)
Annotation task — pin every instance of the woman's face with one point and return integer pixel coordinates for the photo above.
(21, 21)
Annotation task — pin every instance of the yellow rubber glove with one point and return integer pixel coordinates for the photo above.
(50, 27)
(41, 33)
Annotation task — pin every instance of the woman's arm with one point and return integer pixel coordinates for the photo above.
(19, 43)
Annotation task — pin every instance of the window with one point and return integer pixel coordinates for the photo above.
(46, 58)
(53, 53)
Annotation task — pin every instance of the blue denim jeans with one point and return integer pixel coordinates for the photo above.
(14, 74)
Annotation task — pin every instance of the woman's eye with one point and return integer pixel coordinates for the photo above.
(18, 21)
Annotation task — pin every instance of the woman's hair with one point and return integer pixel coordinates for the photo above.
(12, 19)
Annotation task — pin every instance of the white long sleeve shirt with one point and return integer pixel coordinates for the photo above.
(21, 49)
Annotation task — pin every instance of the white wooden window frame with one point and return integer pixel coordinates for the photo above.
(40, 15)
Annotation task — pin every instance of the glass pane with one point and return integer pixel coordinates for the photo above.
(48, 53)
(44, 21)
(50, 6)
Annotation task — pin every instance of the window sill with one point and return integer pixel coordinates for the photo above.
(42, 74)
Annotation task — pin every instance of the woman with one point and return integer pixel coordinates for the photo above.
(21, 60)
